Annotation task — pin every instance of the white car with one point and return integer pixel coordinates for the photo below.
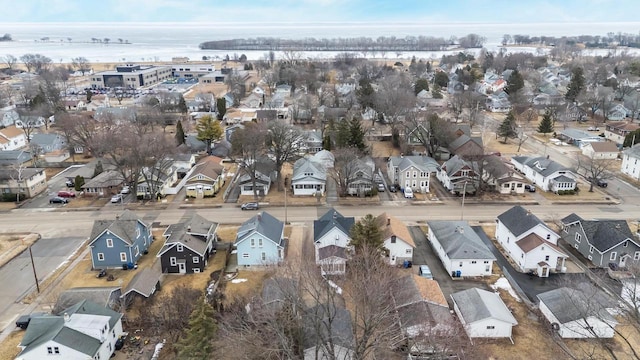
(408, 193)
(125, 190)
(116, 198)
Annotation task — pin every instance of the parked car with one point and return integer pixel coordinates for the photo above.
(593, 128)
(66, 194)
(381, 187)
(425, 272)
(125, 190)
(408, 193)
(599, 182)
(393, 188)
(249, 206)
(70, 183)
(530, 188)
(116, 198)
(377, 179)
(58, 200)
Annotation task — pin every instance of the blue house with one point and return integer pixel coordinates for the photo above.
(120, 242)
(260, 241)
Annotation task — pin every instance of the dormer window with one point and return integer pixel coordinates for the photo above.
(179, 248)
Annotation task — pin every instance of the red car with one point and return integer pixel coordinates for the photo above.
(66, 194)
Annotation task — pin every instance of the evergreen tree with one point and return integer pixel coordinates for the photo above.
(366, 233)
(631, 139)
(546, 125)
(343, 134)
(182, 105)
(441, 78)
(221, 105)
(576, 85)
(508, 127)
(421, 84)
(78, 182)
(196, 342)
(435, 92)
(515, 83)
(179, 133)
(365, 94)
(209, 130)
(356, 134)
(326, 142)
(98, 169)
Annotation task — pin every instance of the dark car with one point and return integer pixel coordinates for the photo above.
(601, 183)
(393, 188)
(249, 206)
(530, 188)
(58, 200)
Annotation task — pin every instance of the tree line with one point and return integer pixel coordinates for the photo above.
(590, 41)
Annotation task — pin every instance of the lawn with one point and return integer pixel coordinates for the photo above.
(12, 245)
(248, 283)
(9, 347)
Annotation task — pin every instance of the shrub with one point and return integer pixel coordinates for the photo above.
(8, 197)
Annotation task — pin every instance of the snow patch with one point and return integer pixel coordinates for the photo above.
(237, 281)
(503, 283)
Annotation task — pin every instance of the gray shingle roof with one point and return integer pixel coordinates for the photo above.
(571, 218)
(331, 219)
(477, 304)
(263, 223)
(279, 290)
(454, 164)
(123, 227)
(633, 151)
(193, 233)
(541, 164)
(424, 163)
(144, 282)
(99, 295)
(564, 179)
(459, 241)
(571, 304)
(605, 234)
(308, 165)
(518, 220)
(330, 251)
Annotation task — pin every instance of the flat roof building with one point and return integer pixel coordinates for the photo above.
(189, 70)
(131, 76)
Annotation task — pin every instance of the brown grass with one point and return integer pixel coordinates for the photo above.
(195, 281)
(251, 287)
(87, 201)
(13, 245)
(383, 149)
(227, 233)
(50, 172)
(9, 347)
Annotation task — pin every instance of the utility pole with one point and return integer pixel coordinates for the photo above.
(464, 194)
(285, 201)
(33, 265)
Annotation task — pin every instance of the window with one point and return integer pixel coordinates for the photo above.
(179, 248)
(486, 261)
(260, 242)
(473, 261)
(253, 242)
(578, 238)
(460, 263)
(196, 271)
(415, 174)
(137, 232)
(548, 236)
(546, 258)
(591, 249)
(49, 350)
(245, 255)
(626, 243)
(490, 327)
(575, 246)
(123, 256)
(172, 261)
(263, 256)
(196, 260)
(56, 350)
(613, 255)
(407, 174)
(393, 239)
(100, 256)
(636, 256)
(109, 243)
(407, 251)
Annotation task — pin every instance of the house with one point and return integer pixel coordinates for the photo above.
(30, 122)
(397, 239)
(119, 243)
(483, 314)
(28, 182)
(51, 145)
(571, 112)
(14, 157)
(309, 177)
(83, 331)
(531, 244)
(601, 241)
(188, 245)
(12, 138)
(605, 150)
(578, 137)
(498, 102)
(106, 183)
(327, 333)
(8, 116)
(501, 176)
(279, 291)
(143, 284)
(464, 145)
(104, 296)
(617, 131)
(617, 112)
(157, 180)
(629, 164)
(360, 176)
(331, 237)
(265, 175)
(411, 171)
(545, 173)
(460, 249)
(260, 241)
(573, 314)
(458, 176)
(326, 158)
(310, 142)
(417, 135)
(206, 178)
(266, 115)
(73, 105)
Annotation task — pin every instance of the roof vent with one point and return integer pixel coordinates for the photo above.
(66, 317)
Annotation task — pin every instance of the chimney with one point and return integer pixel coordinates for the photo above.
(528, 212)
(189, 228)
(547, 156)
(460, 229)
(335, 215)
(388, 221)
(259, 217)
(66, 317)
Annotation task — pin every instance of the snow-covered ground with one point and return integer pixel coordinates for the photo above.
(503, 283)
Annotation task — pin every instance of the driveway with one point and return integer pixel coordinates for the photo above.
(530, 285)
(424, 254)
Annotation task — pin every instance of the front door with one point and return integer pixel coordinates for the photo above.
(182, 268)
(623, 260)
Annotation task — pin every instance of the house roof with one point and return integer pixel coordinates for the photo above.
(105, 179)
(477, 304)
(463, 139)
(332, 251)
(390, 226)
(11, 132)
(430, 290)
(194, 233)
(124, 227)
(278, 289)
(571, 218)
(144, 282)
(459, 240)
(518, 220)
(633, 151)
(209, 166)
(623, 125)
(563, 179)
(11, 173)
(568, 305)
(98, 295)
(541, 165)
(423, 163)
(605, 234)
(11, 157)
(332, 219)
(454, 164)
(308, 165)
(604, 146)
(263, 223)
(336, 326)
(498, 168)
(532, 241)
(52, 140)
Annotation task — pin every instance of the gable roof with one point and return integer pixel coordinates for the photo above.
(423, 163)
(278, 290)
(52, 140)
(124, 227)
(336, 325)
(308, 165)
(192, 233)
(99, 295)
(459, 240)
(209, 166)
(11, 132)
(144, 282)
(518, 220)
(532, 241)
(463, 139)
(391, 226)
(568, 305)
(633, 151)
(605, 234)
(454, 164)
(105, 179)
(477, 304)
(604, 146)
(541, 164)
(332, 219)
(265, 224)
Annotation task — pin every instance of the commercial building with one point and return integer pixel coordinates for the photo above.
(131, 76)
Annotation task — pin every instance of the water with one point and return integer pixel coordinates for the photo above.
(163, 41)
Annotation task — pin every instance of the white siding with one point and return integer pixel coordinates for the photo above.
(577, 329)
(470, 267)
(478, 329)
(398, 251)
(630, 166)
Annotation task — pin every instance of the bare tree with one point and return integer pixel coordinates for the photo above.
(283, 140)
(79, 130)
(344, 168)
(16, 174)
(155, 155)
(248, 147)
(595, 169)
(10, 60)
(394, 99)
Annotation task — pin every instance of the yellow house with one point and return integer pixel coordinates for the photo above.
(29, 182)
(206, 178)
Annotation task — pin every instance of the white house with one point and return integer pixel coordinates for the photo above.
(12, 138)
(617, 131)
(605, 150)
(629, 164)
(460, 249)
(331, 237)
(501, 176)
(411, 171)
(83, 331)
(483, 314)
(575, 315)
(531, 244)
(309, 177)
(547, 174)
(397, 239)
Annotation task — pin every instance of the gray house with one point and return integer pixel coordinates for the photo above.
(601, 241)
(188, 245)
(103, 296)
(119, 243)
(260, 241)
(49, 142)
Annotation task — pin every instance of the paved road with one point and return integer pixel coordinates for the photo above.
(17, 277)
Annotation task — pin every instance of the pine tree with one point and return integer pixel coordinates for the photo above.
(221, 105)
(515, 83)
(546, 125)
(196, 343)
(343, 134)
(507, 128)
(366, 233)
(179, 133)
(356, 138)
(182, 105)
(576, 85)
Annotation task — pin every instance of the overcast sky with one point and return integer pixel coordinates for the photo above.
(297, 11)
